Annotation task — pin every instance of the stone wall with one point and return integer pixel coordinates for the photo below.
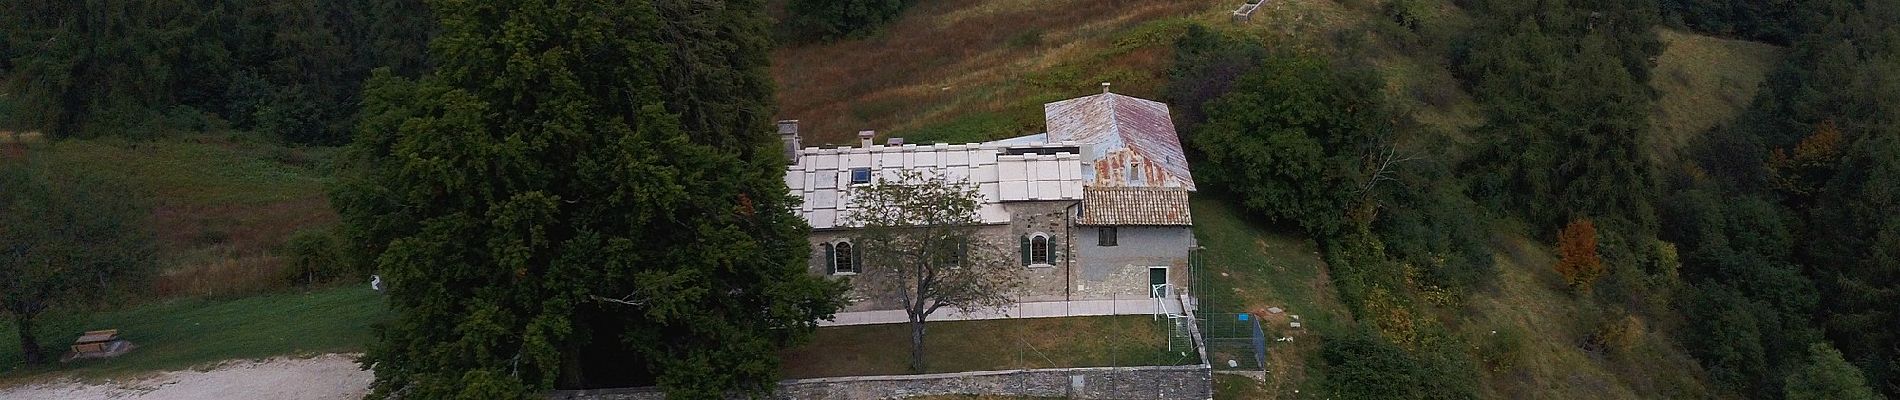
(1123, 383)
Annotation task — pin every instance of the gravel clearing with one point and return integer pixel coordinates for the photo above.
(325, 377)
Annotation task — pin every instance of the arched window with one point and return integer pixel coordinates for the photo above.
(1039, 249)
(843, 260)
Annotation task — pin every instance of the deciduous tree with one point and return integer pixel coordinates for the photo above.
(923, 249)
(1293, 138)
(1577, 259)
(64, 237)
(1828, 376)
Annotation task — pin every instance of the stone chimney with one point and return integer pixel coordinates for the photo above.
(788, 133)
(894, 142)
(864, 138)
(1104, 87)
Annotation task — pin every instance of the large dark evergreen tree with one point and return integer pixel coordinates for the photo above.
(1565, 96)
(582, 193)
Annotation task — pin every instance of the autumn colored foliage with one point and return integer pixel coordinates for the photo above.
(1577, 247)
(1811, 164)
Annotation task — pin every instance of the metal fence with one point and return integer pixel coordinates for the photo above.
(1235, 341)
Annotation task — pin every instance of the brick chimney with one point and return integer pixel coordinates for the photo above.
(864, 138)
(788, 134)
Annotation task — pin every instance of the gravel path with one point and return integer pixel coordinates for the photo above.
(326, 377)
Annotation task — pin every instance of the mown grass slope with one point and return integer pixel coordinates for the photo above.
(988, 345)
(182, 333)
(1248, 268)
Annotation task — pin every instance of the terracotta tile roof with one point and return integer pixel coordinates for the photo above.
(1135, 206)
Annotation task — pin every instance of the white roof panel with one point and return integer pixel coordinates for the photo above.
(1029, 177)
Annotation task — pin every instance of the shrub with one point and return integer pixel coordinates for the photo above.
(1577, 246)
(314, 255)
(1502, 349)
(1360, 365)
(837, 19)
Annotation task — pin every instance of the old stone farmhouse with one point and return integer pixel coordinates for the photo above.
(1099, 202)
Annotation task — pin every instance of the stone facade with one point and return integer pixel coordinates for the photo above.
(1127, 383)
(1106, 160)
(1079, 269)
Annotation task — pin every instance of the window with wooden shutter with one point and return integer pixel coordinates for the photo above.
(1025, 250)
(1105, 236)
(831, 259)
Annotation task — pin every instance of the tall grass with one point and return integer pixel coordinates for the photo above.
(947, 60)
(222, 206)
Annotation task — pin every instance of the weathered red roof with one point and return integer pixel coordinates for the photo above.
(1112, 121)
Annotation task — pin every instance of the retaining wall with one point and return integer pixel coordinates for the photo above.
(1117, 383)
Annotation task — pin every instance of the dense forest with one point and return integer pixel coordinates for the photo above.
(147, 68)
(1772, 246)
(505, 142)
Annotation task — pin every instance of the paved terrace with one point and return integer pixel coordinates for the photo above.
(1042, 309)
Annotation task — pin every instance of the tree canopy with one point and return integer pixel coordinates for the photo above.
(837, 19)
(924, 250)
(64, 238)
(147, 68)
(1291, 138)
(583, 193)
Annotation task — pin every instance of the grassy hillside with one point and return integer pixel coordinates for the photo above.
(973, 70)
(1703, 81)
(980, 69)
(220, 205)
(1248, 268)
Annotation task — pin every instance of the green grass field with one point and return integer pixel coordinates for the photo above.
(183, 333)
(1248, 268)
(953, 346)
(1703, 81)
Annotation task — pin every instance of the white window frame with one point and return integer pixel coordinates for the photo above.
(836, 253)
(1167, 282)
(1048, 250)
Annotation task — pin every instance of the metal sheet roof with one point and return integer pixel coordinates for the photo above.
(1107, 122)
(1151, 206)
(822, 177)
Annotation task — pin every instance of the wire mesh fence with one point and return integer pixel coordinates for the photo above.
(1235, 341)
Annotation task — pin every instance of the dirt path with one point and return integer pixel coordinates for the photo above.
(326, 377)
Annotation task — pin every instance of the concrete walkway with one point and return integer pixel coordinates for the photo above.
(1041, 309)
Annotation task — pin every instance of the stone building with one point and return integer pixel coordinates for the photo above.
(1098, 203)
